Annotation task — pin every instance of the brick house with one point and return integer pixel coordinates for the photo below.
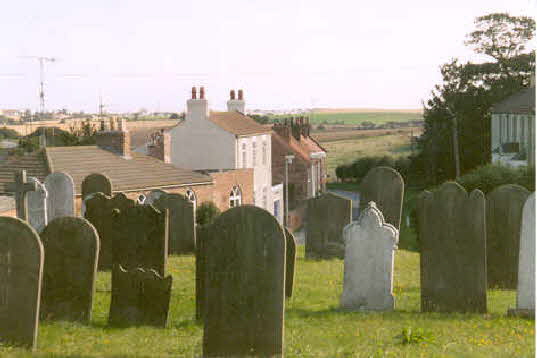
(130, 172)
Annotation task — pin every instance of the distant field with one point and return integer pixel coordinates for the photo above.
(366, 110)
(359, 117)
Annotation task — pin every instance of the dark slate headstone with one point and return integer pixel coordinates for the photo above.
(100, 211)
(21, 272)
(385, 187)
(504, 215)
(245, 285)
(141, 238)
(453, 250)
(181, 232)
(96, 183)
(327, 215)
(140, 297)
(290, 256)
(201, 235)
(71, 251)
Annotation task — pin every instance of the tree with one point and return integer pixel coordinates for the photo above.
(464, 98)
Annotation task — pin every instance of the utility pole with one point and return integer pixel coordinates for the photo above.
(42, 61)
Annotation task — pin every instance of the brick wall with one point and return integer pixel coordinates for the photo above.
(224, 182)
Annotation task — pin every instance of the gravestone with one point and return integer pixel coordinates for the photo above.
(71, 250)
(369, 254)
(154, 195)
(290, 257)
(385, 187)
(21, 271)
(96, 183)
(140, 297)
(245, 285)
(21, 186)
(100, 213)
(181, 229)
(61, 195)
(525, 299)
(37, 206)
(201, 235)
(141, 238)
(504, 215)
(327, 215)
(453, 263)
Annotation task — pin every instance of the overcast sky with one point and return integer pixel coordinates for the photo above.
(283, 53)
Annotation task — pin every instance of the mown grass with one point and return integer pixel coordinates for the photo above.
(314, 324)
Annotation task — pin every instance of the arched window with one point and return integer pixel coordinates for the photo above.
(191, 196)
(141, 198)
(235, 197)
(265, 199)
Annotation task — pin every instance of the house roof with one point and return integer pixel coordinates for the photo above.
(237, 123)
(141, 172)
(302, 148)
(140, 136)
(522, 102)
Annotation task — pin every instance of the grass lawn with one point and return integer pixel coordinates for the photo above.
(314, 326)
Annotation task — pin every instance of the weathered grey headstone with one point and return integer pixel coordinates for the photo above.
(385, 187)
(504, 215)
(245, 285)
(100, 211)
(327, 215)
(525, 299)
(453, 264)
(369, 253)
(141, 238)
(37, 206)
(71, 250)
(290, 257)
(181, 229)
(96, 183)
(21, 272)
(201, 235)
(139, 297)
(61, 195)
(21, 186)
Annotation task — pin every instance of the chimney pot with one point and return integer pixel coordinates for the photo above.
(240, 95)
(232, 94)
(193, 92)
(202, 93)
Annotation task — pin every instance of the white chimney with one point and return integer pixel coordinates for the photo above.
(235, 105)
(197, 109)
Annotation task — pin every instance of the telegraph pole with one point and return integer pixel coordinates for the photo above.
(42, 61)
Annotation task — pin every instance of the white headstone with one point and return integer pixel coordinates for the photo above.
(37, 206)
(61, 195)
(369, 253)
(526, 259)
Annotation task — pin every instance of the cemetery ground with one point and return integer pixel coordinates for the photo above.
(314, 324)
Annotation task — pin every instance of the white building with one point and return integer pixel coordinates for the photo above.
(513, 129)
(208, 140)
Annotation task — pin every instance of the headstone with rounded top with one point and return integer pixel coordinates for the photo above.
(453, 262)
(290, 257)
(61, 195)
(71, 250)
(37, 206)
(21, 273)
(504, 215)
(181, 229)
(96, 183)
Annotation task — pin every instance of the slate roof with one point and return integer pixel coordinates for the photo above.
(522, 102)
(140, 136)
(140, 172)
(237, 123)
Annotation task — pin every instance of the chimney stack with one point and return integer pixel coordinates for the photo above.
(193, 92)
(160, 146)
(197, 109)
(117, 141)
(235, 105)
(202, 93)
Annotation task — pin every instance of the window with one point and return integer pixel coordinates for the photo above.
(244, 155)
(141, 198)
(191, 196)
(254, 161)
(235, 197)
(264, 153)
(264, 203)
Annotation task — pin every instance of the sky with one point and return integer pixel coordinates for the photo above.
(282, 53)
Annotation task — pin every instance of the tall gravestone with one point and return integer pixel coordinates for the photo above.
(101, 212)
(385, 187)
(21, 272)
(96, 183)
(201, 235)
(245, 285)
(181, 224)
(453, 264)
(369, 254)
(139, 297)
(504, 215)
(37, 206)
(61, 199)
(141, 238)
(327, 215)
(71, 250)
(525, 299)
(290, 257)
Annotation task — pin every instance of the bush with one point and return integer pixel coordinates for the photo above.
(360, 167)
(488, 177)
(206, 213)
